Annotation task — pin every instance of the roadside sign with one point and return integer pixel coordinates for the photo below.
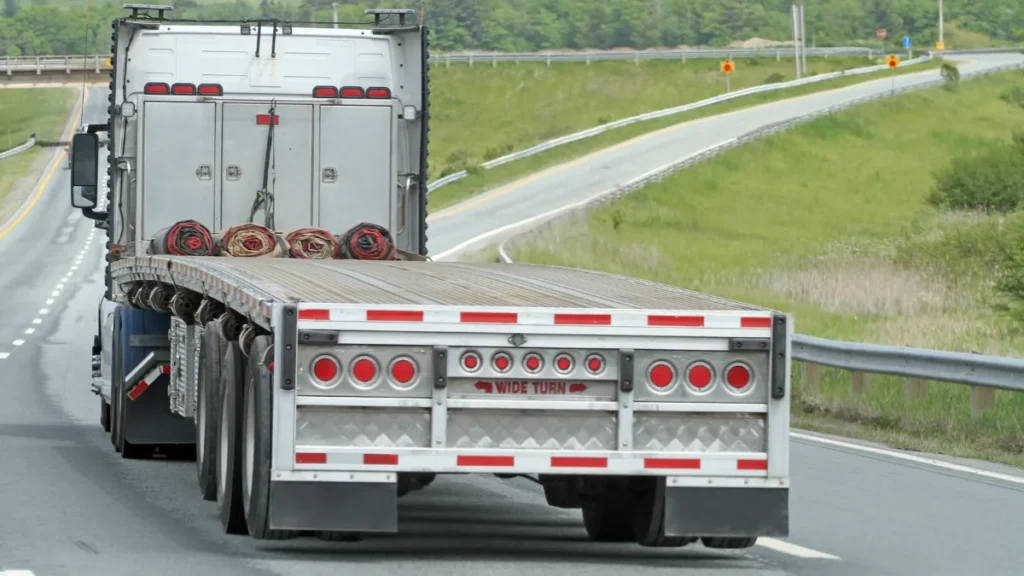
(881, 33)
(907, 43)
(892, 61)
(940, 45)
(727, 66)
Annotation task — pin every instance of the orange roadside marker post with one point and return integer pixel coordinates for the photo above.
(727, 68)
(893, 61)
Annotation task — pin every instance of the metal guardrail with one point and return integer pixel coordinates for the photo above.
(19, 149)
(563, 140)
(984, 373)
(98, 61)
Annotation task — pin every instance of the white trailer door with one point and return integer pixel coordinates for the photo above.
(178, 156)
(356, 177)
(291, 163)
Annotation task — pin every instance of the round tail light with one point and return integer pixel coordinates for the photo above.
(471, 361)
(403, 371)
(365, 370)
(502, 362)
(563, 363)
(661, 375)
(325, 370)
(699, 375)
(533, 362)
(595, 364)
(738, 376)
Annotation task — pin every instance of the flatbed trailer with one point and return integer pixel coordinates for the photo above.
(315, 393)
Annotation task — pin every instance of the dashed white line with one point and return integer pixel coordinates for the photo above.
(30, 331)
(37, 320)
(5, 355)
(44, 311)
(793, 549)
(17, 573)
(55, 293)
(18, 342)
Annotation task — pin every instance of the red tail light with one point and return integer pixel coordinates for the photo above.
(738, 376)
(326, 369)
(533, 362)
(699, 375)
(403, 371)
(563, 363)
(325, 92)
(661, 375)
(157, 88)
(211, 90)
(471, 361)
(364, 370)
(595, 364)
(352, 92)
(502, 362)
(183, 89)
(378, 93)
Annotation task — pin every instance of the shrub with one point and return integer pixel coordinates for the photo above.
(774, 78)
(992, 180)
(950, 76)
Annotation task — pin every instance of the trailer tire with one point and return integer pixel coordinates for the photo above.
(607, 516)
(229, 453)
(211, 357)
(104, 414)
(729, 543)
(257, 438)
(649, 515)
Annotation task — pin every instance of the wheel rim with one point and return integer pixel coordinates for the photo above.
(222, 453)
(250, 447)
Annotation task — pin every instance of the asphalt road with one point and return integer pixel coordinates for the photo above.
(70, 505)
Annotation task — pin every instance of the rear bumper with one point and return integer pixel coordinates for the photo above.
(736, 512)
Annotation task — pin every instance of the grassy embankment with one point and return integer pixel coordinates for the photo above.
(22, 112)
(831, 222)
(482, 113)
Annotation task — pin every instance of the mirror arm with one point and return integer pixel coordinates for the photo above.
(94, 214)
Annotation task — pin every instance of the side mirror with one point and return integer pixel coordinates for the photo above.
(85, 149)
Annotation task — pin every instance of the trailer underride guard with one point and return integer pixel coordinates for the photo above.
(319, 377)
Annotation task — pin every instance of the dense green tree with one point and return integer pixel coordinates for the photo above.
(30, 27)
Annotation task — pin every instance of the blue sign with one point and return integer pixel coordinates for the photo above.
(907, 43)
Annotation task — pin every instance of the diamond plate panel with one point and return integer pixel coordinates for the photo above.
(536, 430)
(363, 427)
(178, 385)
(699, 433)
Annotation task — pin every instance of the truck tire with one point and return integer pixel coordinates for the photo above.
(649, 515)
(229, 454)
(257, 438)
(729, 543)
(115, 380)
(211, 356)
(608, 516)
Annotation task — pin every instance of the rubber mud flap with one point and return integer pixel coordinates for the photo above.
(211, 357)
(229, 453)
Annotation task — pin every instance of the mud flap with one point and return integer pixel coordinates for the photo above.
(726, 512)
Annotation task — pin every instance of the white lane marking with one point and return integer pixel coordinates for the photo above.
(911, 458)
(49, 301)
(37, 320)
(74, 268)
(17, 573)
(5, 355)
(30, 331)
(44, 311)
(55, 293)
(793, 549)
(18, 342)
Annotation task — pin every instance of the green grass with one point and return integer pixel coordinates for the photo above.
(497, 129)
(22, 112)
(829, 221)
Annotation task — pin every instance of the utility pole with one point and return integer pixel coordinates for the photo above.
(334, 6)
(942, 40)
(796, 40)
(803, 43)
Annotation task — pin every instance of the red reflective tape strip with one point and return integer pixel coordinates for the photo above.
(672, 463)
(578, 462)
(314, 314)
(394, 315)
(310, 458)
(489, 317)
(264, 120)
(755, 322)
(137, 391)
(485, 461)
(751, 464)
(380, 459)
(687, 321)
(166, 369)
(589, 319)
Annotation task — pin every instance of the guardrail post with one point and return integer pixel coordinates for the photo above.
(470, 60)
(859, 383)
(915, 389)
(778, 55)
(447, 61)
(811, 378)
(494, 60)
(636, 59)
(982, 399)
(548, 59)
(588, 59)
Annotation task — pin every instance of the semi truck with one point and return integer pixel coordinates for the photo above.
(315, 393)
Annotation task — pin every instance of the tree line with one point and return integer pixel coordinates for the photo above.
(41, 27)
